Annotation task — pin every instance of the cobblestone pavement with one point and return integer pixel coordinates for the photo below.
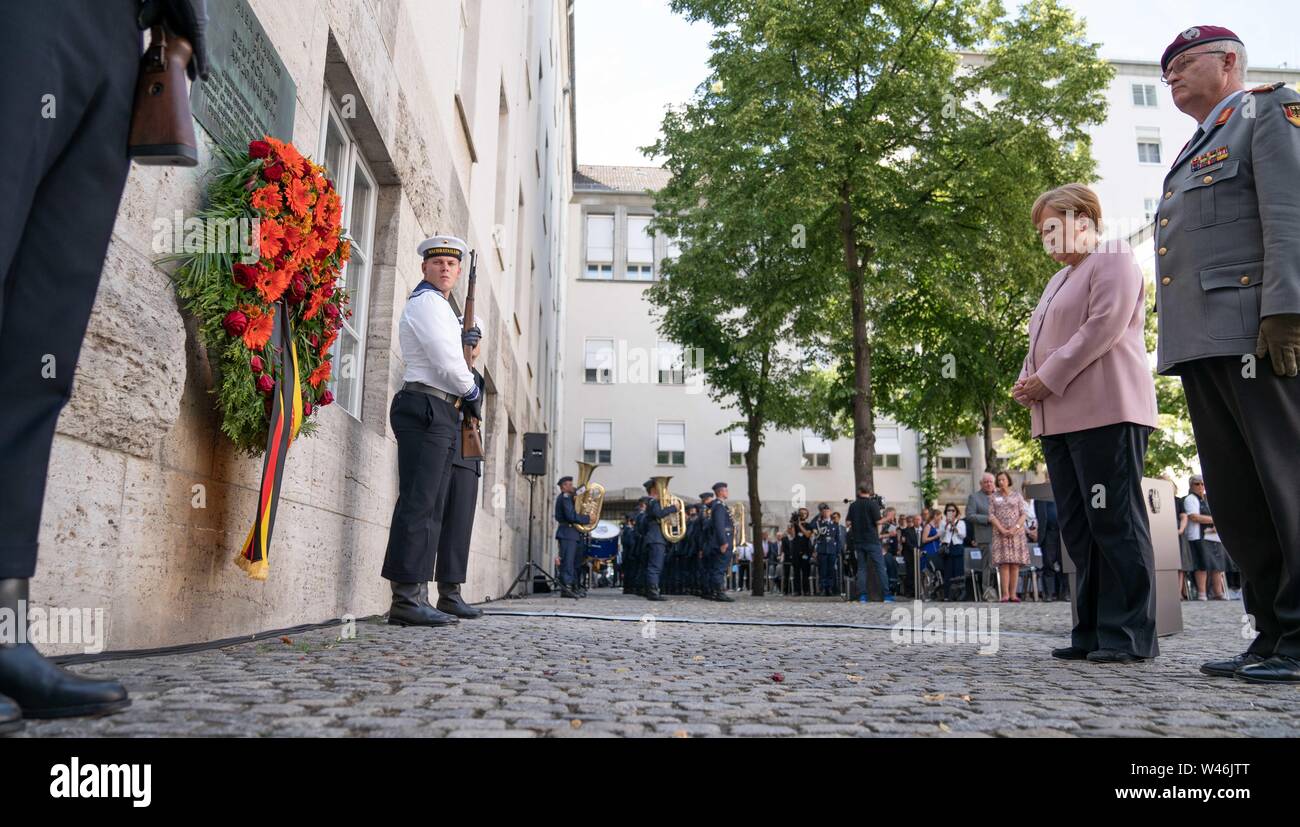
(529, 676)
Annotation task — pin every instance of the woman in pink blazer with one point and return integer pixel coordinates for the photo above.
(1088, 385)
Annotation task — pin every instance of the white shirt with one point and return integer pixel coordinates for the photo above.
(955, 534)
(745, 552)
(429, 336)
(1195, 530)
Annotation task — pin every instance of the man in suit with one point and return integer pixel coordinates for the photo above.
(1055, 582)
(654, 542)
(910, 541)
(977, 515)
(720, 540)
(1228, 302)
(566, 517)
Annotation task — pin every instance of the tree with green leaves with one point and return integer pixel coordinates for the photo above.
(863, 122)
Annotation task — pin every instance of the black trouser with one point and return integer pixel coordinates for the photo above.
(1247, 433)
(654, 564)
(803, 576)
(457, 524)
(1108, 540)
(1055, 581)
(742, 573)
(425, 427)
(69, 72)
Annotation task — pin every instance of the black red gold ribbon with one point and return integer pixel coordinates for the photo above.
(286, 418)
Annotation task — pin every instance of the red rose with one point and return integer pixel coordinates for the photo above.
(326, 398)
(273, 172)
(314, 339)
(306, 409)
(281, 260)
(322, 254)
(235, 323)
(259, 149)
(297, 289)
(265, 383)
(245, 275)
(256, 364)
(332, 311)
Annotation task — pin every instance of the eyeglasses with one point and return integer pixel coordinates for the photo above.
(1180, 63)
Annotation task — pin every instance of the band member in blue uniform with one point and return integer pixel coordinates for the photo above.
(566, 517)
(719, 548)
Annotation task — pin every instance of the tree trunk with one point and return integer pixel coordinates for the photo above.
(864, 434)
(758, 565)
(990, 453)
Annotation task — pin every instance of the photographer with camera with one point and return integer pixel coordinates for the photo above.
(864, 521)
(801, 552)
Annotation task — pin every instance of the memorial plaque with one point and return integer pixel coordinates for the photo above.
(249, 92)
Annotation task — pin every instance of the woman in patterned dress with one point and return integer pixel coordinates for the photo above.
(1010, 549)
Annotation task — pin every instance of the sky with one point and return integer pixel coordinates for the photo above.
(635, 58)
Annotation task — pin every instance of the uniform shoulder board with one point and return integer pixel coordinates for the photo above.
(1268, 87)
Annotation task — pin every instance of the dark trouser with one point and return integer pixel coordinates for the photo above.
(826, 572)
(954, 570)
(742, 574)
(891, 572)
(803, 576)
(457, 525)
(69, 75)
(909, 562)
(425, 427)
(568, 563)
(871, 558)
(654, 564)
(718, 562)
(1110, 544)
(1247, 431)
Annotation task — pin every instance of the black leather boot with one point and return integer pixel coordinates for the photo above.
(411, 607)
(651, 593)
(11, 717)
(41, 689)
(451, 602)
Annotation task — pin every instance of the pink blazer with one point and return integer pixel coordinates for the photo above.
(1086, 345)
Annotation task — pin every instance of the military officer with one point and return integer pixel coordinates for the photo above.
(718, 556)
(826, 545)
(704, 542)
(1227, 294)
(458, 516)
(62, 180)
(566, 517)
(426, 421)
(654, 543)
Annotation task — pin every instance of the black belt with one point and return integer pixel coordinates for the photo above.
(431, 391)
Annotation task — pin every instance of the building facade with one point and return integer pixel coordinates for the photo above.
(634, 405)
(436, 116)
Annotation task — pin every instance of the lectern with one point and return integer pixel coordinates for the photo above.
(1158, 495)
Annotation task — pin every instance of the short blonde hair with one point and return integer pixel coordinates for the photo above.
(1070, 199)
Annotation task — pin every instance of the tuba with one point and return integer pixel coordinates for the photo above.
(674, 525)
(591, 498)
(737, 510)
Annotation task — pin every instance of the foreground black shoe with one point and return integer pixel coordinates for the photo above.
(723, 597)
(11, 717)
(565, 591)
(411, 607)
(1228, 668)
(1277, 669)
(653, 594)
(1113, 656)
(42, 689)
(1070, 653)
(451, 602)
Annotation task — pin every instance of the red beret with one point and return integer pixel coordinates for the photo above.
(1195, 36)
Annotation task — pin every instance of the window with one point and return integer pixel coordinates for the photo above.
(597, 439)
(816, 451)
(885, 461)
(1148, 140)
(1144, 94)
(1149, 207)
(598, 361)
(640, 272)
(670, 367)
(640, 249)
(888, 448)
(954, 463)
(356, 187)
(670, 443)
(600, 246)
(739, 447)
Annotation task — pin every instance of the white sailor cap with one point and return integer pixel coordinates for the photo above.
(443, 245)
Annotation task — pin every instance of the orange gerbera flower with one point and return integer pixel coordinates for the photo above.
(272, 284)
(299, 197)
(272, 238)
(345, 250)
(330, 338)
(319, 375)
(260, 327)
(315, 302)
(268, 199)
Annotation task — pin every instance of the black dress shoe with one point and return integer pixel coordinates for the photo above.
(653, 594)
(451, 602)
(723, 597)
(1070, 653)
(411, 608)
(1277, 669)
(43, 690)
(1228, 668)
(565, 591)
(11, 717)
(1113, 656)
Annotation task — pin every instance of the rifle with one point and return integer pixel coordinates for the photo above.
(471, 434)
(162, 128)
